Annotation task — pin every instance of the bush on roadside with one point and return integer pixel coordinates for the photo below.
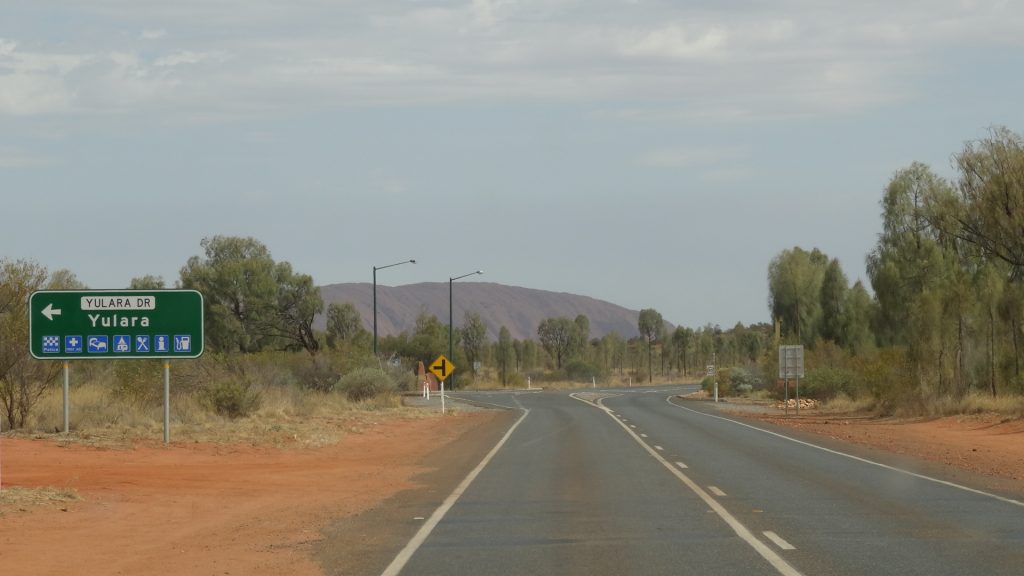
(233, 398)
(366, 383)
(827, 383)
(582, 371)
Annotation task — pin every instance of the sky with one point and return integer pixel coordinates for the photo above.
(654, 154)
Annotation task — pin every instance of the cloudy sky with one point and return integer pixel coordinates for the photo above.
(651, 153)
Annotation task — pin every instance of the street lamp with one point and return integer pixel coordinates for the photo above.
(451, 328)
(375, 268)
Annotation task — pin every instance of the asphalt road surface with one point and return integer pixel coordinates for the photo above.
(638, 482)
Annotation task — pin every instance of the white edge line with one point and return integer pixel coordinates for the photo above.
(778, 541)
(857, 458)
(421, 535)
(742, 531)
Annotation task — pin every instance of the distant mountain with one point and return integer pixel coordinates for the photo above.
(518, 309)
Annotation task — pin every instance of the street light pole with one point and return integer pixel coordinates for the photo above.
(451, 328)
(375, 268)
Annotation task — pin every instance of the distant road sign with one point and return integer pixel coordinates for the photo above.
(710, 368)
(791, 361)
(98, 324)
(442, 367)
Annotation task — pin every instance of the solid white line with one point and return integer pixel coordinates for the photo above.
(681, 465)
(421, 535)
(716, 490)
(778, 541)
(857, 458)
(659, 448)
(742, 531)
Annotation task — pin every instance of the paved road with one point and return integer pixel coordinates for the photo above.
(628, 482)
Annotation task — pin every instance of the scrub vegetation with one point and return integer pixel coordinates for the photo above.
(939, 330)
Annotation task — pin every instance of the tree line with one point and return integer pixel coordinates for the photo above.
(946, 278)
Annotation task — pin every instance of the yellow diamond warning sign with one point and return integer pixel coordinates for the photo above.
(442, 367)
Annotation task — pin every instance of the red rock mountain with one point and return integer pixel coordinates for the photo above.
(518, 309)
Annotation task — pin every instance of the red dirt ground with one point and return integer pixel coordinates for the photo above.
(986, 444)
(205, 509)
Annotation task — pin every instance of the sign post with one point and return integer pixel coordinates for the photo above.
(713, 373)
(441, 368)
(791, 365)
(123, 324)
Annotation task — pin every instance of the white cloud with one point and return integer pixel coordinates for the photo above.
(676, 42)
(152, 34)
(689, 156)
(793, 58)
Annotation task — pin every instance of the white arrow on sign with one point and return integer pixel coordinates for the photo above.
(50, 311)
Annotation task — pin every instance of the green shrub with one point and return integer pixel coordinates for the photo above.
(138, 382)
(827, 383)
(317, 373)
(582, 371)
(366, 383)
(232, 398)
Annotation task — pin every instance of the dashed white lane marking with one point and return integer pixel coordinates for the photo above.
(659, 448)
(781, 566)
(421, 535)
(632, 425)
(643, 435)
(852, 457)
(716, 490)
(778, 541)
(681, 465)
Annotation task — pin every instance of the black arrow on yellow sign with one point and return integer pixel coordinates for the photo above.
(441, 367)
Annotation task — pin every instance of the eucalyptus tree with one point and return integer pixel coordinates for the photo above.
(473, 337)
(556, 336)
(794, 291)
(991, 190)
(147, 282)
(651, 326)
(834, 287)
(23, 379)
(344, 324)
(911, 270)
(683, 339)
(505, 354)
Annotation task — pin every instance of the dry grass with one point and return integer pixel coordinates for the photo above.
(16, 498)
(288, 416)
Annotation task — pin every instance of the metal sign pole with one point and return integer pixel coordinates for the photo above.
(67, 410)
(167, 402)
(798, 394)
(786, 403)
(714, 362)
(442, 396)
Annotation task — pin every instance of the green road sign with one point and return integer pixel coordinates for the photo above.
(98, 324)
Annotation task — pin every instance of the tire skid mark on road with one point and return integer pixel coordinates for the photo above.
(776, 561)
(852, 457)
